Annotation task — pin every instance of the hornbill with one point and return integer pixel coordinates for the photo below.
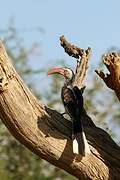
(73, 103)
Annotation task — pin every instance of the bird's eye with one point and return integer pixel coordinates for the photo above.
(65, 72)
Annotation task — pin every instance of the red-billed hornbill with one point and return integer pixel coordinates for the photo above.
(73, 102)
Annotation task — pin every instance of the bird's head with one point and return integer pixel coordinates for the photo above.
(66, 72)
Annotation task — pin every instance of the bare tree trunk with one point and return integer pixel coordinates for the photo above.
(46, 133)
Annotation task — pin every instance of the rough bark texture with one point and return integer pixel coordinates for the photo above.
(46, 133)
(82, 57)
(112, 80)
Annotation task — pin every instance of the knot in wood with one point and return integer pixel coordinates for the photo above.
(3, 84)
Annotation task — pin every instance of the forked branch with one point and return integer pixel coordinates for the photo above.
(82, 57)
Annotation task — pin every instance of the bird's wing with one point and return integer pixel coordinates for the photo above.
(69, 101)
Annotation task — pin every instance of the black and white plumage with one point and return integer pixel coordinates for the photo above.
(73, 102)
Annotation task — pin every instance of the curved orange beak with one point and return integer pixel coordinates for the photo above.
(56, 70)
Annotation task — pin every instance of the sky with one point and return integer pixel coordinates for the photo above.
(93, 23)
(84, 23)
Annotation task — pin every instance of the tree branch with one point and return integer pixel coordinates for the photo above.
(112, 80)
(46, 133)
(82, 58)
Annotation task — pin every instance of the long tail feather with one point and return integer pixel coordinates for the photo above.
(86, 145)
(75, 147)
(80, 144)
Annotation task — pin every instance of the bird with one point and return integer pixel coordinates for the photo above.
(72, 99)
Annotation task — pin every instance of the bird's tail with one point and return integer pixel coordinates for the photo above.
(80, 144)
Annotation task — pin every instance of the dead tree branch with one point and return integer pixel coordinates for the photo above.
(112, 80)
(46, 133)
(82, 58)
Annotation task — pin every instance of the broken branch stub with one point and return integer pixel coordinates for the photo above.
(112, 80)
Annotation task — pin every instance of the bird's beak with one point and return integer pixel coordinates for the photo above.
(56, 70)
